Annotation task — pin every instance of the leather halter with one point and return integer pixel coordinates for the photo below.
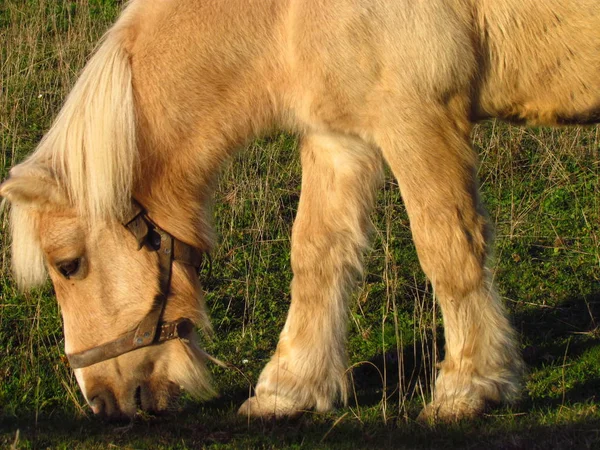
(151, 330)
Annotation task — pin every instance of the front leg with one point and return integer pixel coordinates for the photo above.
(308, 369)
(430, 154)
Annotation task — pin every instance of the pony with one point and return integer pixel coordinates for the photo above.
(115, 202)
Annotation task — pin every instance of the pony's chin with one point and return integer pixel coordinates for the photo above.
(187, 369)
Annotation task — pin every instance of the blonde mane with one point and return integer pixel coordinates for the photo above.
(90, 150)
(91, 147)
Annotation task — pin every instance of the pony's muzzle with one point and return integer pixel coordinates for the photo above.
(106, 404)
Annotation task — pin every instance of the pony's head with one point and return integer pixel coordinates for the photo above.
(127, 130)
(107, 280)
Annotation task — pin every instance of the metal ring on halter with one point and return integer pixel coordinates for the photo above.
(151, 330)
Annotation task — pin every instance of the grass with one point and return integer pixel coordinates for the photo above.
(542, 191)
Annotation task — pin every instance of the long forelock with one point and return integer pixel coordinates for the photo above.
(91, 146)
(28, 265)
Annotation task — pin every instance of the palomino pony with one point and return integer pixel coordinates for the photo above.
(115, 203)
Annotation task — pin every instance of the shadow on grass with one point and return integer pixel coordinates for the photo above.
(198, 427)
(570, 329)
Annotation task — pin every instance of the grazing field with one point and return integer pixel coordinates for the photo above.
(542, 190)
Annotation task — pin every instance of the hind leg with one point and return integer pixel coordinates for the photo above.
(308, 369)
(430, 155)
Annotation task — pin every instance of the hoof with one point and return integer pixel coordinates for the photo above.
(270, 406)
(451, 410)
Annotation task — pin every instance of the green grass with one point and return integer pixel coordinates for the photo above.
(542, 190)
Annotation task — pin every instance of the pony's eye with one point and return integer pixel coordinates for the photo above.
(69, 268)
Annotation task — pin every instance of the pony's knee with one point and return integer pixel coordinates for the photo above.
(453, 252)
(340, 174)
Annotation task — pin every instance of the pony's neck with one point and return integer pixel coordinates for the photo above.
(200, 97)
(177, 181)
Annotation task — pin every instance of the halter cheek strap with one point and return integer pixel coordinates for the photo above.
(151, 330)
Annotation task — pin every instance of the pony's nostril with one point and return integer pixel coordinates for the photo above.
(104, 403)
(98, 406)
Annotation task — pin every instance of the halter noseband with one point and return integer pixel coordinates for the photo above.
(151, 330)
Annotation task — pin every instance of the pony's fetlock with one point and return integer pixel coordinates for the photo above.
(288, 388)
(460, 395)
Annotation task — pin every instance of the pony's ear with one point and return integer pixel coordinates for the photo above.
(30, 183)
